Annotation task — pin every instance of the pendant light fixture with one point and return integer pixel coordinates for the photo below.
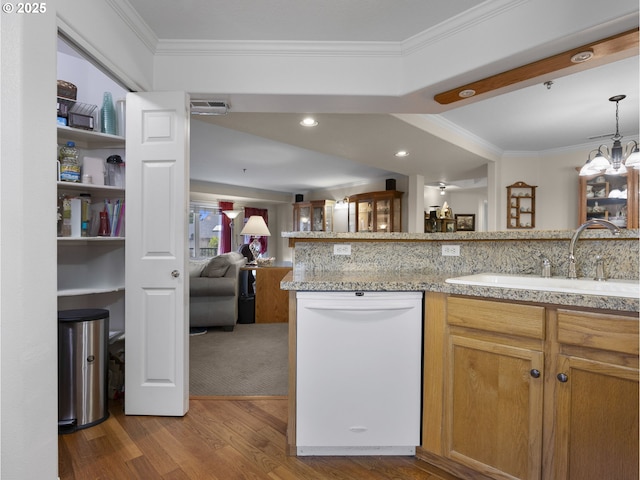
(616, 160)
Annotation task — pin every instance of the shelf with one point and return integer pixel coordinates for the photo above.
(90, 187)
(75, 292)
(606, 201)
(86, 240)
(88, 138)
(522, 201)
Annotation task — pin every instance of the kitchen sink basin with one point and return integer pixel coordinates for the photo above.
(585, 286)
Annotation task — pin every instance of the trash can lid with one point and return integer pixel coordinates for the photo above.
(82, 314)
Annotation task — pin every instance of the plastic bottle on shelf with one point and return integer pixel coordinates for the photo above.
(121, 116)
(86, 214)
(69, 163)
(108, 115)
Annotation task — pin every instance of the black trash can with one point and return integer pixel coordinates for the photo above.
(247, 309)
(83, 336)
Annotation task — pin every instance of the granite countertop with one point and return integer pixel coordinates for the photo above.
(589, 234)
(403, 280)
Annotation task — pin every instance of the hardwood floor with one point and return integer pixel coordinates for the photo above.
(221, 438)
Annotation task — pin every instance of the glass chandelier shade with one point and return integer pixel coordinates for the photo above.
(614, 160)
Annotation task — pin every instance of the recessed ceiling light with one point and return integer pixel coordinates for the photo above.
(467, 93)
(402, 153)
(309, 122)
(582, 56)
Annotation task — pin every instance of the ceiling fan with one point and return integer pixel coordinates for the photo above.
(609, 46)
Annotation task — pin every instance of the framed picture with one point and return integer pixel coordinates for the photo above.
(448, 225)
(466, 222)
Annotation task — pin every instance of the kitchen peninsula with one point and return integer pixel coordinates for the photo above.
(515, 381)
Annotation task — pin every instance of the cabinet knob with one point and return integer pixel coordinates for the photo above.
(175, 274)
(535, 373)
(563, 377)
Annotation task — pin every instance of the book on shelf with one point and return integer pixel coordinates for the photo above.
(115, 212)
(79, 218)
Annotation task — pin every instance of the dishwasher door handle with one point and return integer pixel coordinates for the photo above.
(376, 308)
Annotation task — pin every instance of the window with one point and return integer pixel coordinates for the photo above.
(205, 229)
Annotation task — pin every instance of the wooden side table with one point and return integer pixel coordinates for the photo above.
(272, 303)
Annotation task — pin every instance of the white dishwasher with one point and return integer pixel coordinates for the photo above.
(358, 377)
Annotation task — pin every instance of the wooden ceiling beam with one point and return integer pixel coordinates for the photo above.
(600, 49)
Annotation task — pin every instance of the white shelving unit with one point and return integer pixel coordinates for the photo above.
(91, 269)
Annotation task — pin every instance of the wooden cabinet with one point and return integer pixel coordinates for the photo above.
(314, 216)
(272, 303)
(596, 397)
(610, 197)
(529, 391)
(376, 212)
(521, 201)
(494, 396)
(91, 269)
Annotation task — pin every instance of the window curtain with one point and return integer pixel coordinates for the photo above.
(225, 234)
(261, 212)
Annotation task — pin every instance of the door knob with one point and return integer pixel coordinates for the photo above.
(535, 373)
(563, 377)
(175, 274)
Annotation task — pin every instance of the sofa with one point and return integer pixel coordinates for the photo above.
(213, 291)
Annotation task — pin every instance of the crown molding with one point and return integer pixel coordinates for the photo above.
(459, 23)
(135, 23)
(175, 47)
(278, 48)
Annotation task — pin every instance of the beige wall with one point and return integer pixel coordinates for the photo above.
(557, 193)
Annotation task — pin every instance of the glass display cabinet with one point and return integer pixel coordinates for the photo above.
(376, 212)
(610, 197)
(313, 216)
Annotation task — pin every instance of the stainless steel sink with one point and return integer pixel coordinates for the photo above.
(585, 286)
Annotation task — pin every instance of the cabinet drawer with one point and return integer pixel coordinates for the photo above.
(597, 330)
(509, 318)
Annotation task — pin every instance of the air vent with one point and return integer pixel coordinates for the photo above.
(208, 107)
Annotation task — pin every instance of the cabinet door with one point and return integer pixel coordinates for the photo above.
(597, 420)
(493, 408)
(365, 216)
(328, 218)
(318, 218)
(383, 216)
(303, 218)
(353, 221)
(610, 197)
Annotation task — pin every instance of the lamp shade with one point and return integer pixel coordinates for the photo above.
(256, 226)
(232, 213)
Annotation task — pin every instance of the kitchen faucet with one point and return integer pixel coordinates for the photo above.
(594, 221)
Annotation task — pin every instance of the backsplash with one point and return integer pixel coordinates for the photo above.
(504, 252)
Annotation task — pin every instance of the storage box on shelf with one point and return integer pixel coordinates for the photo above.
(91, 268)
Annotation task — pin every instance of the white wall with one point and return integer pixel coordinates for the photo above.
(555, 176)
(28, 319)
(101, 30)
(90, 81)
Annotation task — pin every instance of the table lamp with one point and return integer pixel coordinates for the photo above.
(255, 227)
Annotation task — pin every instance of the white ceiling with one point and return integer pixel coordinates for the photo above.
(252, 148)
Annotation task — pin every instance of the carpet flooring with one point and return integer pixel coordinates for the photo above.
(250, 361)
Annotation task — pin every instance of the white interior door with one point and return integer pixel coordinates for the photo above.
(156, 305)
